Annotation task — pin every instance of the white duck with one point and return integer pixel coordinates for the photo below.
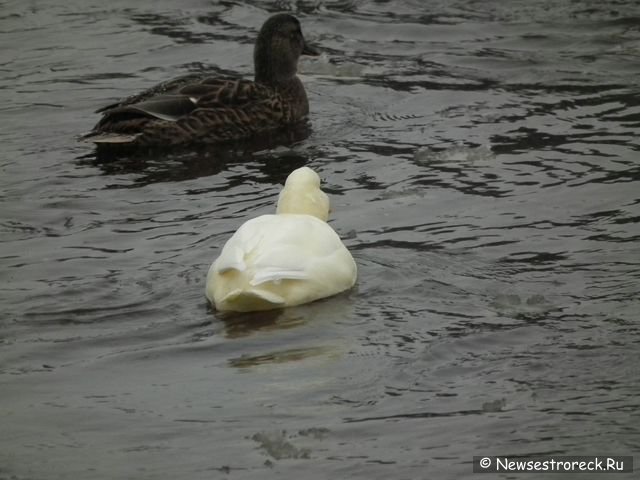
(276, 261)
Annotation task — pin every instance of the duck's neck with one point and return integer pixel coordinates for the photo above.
(273, 69)
(279, 73)
(303, 202)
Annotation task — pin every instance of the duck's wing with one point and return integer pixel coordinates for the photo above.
(228, 92)
(267, 271)
(174, 95)
(169, 87)
(212, 102)
(280, 247)
(124, 124)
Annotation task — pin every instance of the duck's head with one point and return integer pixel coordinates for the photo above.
(278, 48)
(302, 195)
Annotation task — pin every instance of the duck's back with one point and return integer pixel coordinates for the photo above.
(193, 109)
(287, 259)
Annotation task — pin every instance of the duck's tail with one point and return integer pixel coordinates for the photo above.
(251, 299)
(109, 138)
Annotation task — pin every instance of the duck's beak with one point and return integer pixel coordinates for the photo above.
(310, 50)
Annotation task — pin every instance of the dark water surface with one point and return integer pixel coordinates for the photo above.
(483, 159)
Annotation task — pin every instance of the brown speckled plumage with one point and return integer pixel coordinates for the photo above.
(199, 109)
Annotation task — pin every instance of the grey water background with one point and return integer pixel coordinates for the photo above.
(483, 162)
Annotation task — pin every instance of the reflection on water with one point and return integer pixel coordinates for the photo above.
(240, 325)
(482, 162)
(158, 165)
(237, 325)
(279, 357)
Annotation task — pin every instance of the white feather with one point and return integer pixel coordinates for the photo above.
(294, 257)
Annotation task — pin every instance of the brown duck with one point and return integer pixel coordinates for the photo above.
(198, 109)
